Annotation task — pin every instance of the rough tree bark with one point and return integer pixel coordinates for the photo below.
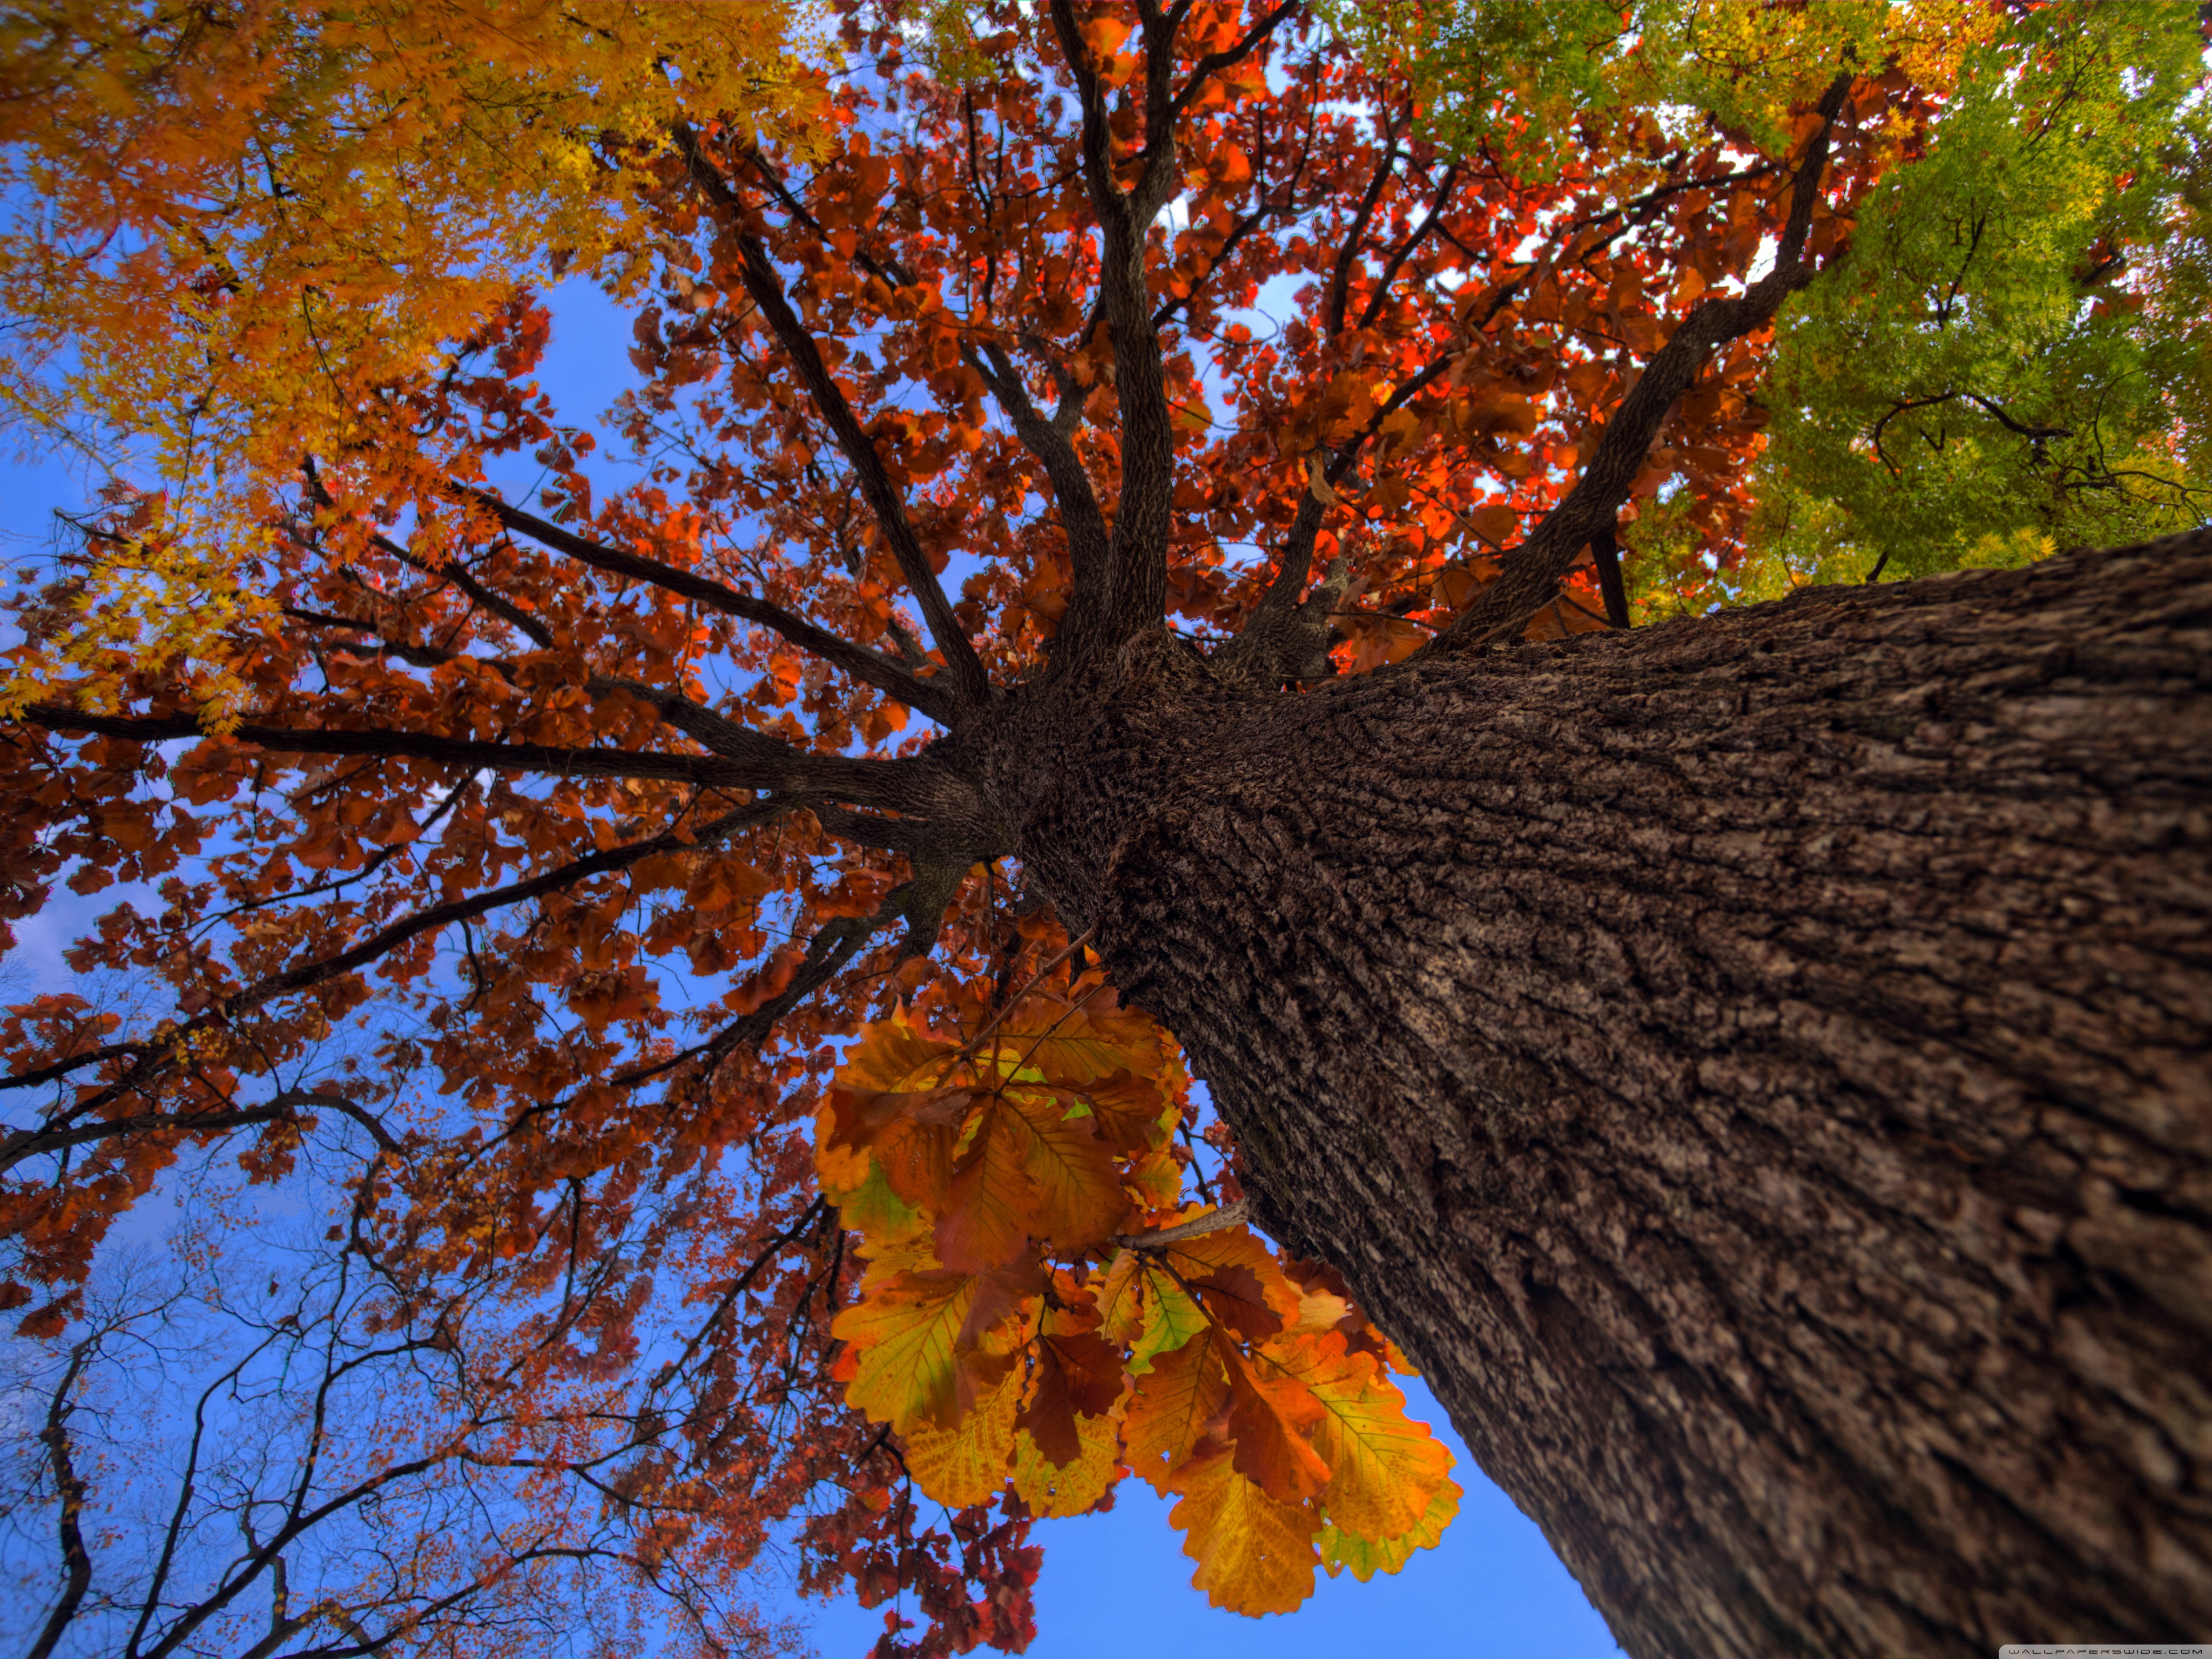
(1759, 1068)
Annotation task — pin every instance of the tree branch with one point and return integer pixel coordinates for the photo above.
(69, 1491)
(870, 667)
(1088, 542)
(754, 760)
(1532, 571)
(1279, 639)
(969, 685)
(33, 1143)
(1136, 578)
(51, 1136)
(1213, 62)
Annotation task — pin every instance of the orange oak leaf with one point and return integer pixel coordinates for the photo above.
(1254, 1553)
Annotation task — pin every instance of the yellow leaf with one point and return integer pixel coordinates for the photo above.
(1120, 1298)
(1171, 1318)
(875, 1211)
(1157, 1179)
(1319, 1310)
(967, 1462)
(1075, 1045)
(1253, 1554)
(840, 1168)
(1385, 1469)
(1175, 1399)
(1340, 1550)
(891, 1056)
(906, 1373)
(1073, 1488)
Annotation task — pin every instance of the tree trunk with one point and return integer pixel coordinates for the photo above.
(1757, 1067)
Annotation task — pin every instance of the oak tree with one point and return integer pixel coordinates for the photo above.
(1126, 584)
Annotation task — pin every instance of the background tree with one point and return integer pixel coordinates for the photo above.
(233, 223)
(1751, 1065)
(387, 1448)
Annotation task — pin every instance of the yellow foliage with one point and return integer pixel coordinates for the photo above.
(1385, 1469)
(967, 1462)
(906, 1372)
(1366, 1557)
(239, 226)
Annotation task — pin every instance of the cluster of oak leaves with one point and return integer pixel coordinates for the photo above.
(1015, 1324)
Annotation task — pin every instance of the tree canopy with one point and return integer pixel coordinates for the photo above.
(561, 873)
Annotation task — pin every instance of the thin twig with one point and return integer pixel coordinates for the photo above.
(1229, 1215)
(1014, 1001)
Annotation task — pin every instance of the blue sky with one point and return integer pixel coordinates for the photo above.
(1493, 1590)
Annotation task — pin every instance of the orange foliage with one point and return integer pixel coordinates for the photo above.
(1039, 1292)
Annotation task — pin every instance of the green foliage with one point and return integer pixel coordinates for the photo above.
(2013, 356)
(1522, 83)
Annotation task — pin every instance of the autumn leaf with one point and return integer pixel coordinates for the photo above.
(1078, 1202)
(906, 1371)
(1077, 1375)
(1270, 1420)
(1340, 1550)
(993, 1204)
(1255, 1555)
(1146, 1306)
(1384, 1469)
(967, 1461)
(1052, 1489)
(1176, 1400)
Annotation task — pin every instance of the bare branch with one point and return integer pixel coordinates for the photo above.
(69, 1493)
(1347, 256)
(1213, 1221)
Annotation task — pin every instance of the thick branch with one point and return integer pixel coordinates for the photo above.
(1347, 256)
(1280, 639)
(1605, 551)
(1088, 541)
(69, 1492)
(1406, 249)
(756, 761)
(694, 720)
(1135, 585)
(969, 685)
(870, 667)
(1531, 573)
